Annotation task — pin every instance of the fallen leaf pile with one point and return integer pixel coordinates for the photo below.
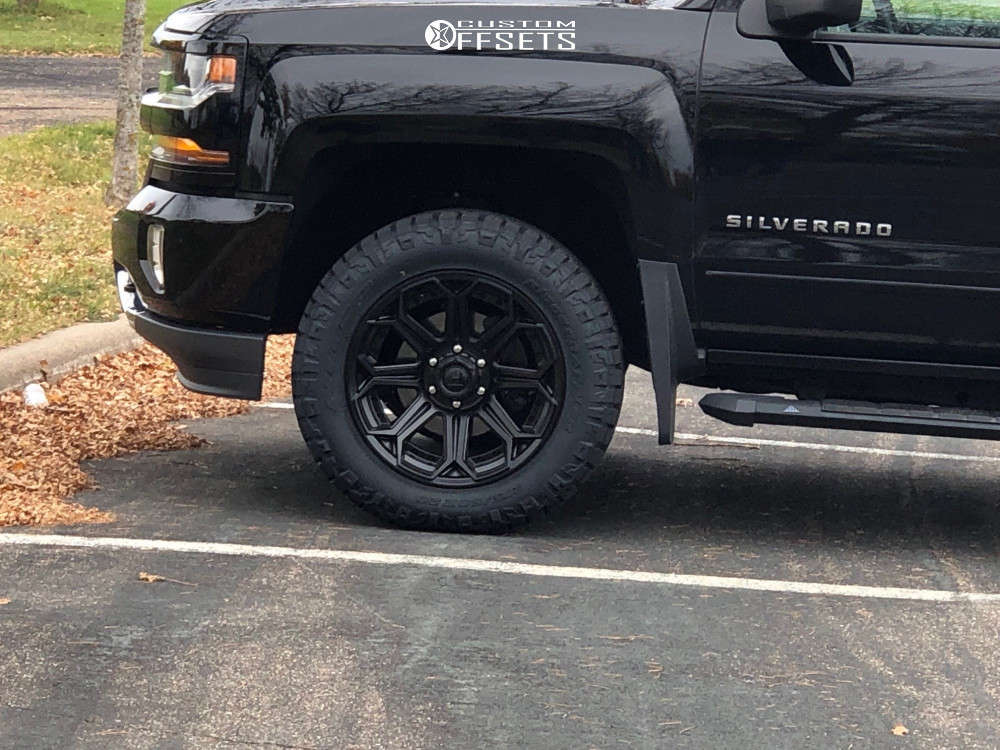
(123, 404)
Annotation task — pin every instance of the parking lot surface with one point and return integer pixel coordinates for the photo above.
(632, 619)
(37, 90)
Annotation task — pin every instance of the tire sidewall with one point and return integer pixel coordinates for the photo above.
(328, 330)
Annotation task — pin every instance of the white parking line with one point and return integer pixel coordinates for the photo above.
(690, 439)
(500, 567)
(760, 443)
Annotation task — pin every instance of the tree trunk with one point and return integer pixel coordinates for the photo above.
(125, 163)
(886, 15)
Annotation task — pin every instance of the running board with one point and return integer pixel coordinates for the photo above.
(748, 410)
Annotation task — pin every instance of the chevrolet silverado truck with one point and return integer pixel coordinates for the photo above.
(476, 216)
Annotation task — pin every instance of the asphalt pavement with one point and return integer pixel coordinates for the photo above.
(38, 90)
(631, 619)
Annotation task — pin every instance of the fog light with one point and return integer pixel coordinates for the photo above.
(154, 252)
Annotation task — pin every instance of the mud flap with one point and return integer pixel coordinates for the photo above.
(672, 351)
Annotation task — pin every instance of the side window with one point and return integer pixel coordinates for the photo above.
(978, 19)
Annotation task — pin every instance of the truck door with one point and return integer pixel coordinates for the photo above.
(849, 188)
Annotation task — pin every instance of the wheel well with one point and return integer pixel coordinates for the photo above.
(579, 200)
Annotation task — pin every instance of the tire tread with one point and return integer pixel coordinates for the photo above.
(530, 247)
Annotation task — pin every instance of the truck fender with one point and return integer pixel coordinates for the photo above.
(632, 116)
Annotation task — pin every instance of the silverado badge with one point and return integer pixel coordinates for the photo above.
(810, 226)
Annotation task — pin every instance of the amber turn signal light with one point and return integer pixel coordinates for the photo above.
(222, 70)
(186, 151)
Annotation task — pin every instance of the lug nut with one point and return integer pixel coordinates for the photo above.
(457, 348)
(481, 391)
(433, 362)
(481, 363)
(457, 404)
(432, 390)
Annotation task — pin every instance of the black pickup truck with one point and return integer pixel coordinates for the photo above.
(475, 216)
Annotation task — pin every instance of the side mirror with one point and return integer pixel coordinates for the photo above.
(790, 19)
(804, 16)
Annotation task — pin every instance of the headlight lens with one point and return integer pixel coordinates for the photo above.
(187, 80)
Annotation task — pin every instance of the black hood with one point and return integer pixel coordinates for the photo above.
(195, 17)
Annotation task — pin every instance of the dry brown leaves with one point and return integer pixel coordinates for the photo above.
(123, 404)
(153, 578)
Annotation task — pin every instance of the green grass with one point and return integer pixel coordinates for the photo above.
(55, 247)
(72, 26)
(972, 10)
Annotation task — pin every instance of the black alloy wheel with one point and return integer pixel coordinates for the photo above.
(458, 370)
(457, 380)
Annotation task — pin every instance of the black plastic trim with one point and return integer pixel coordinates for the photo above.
(205, 178)
(217, 363)
(913, 40)
(673, 354)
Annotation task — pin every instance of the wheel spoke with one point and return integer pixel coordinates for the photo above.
(405, 375)
(526, 379)
(410, 330)
(531, 385)
(458, 317)
(520, 384)
(509, 374)
(497, 335)
(457, 431)
(413, 331)
(374, 383)
(416, 335)
(395, 370)
(495, 415)
(412, 419)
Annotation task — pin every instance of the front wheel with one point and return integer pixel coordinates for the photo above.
(458, 370)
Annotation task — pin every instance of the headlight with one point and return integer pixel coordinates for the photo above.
(188, 80)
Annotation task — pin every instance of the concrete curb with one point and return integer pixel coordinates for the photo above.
(59, 353)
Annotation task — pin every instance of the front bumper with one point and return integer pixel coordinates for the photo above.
(212, 312)
(222, 257)
(218, 363)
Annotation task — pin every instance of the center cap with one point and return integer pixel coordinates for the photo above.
(456, 379)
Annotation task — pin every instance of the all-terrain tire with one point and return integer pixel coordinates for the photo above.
(468, 241)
